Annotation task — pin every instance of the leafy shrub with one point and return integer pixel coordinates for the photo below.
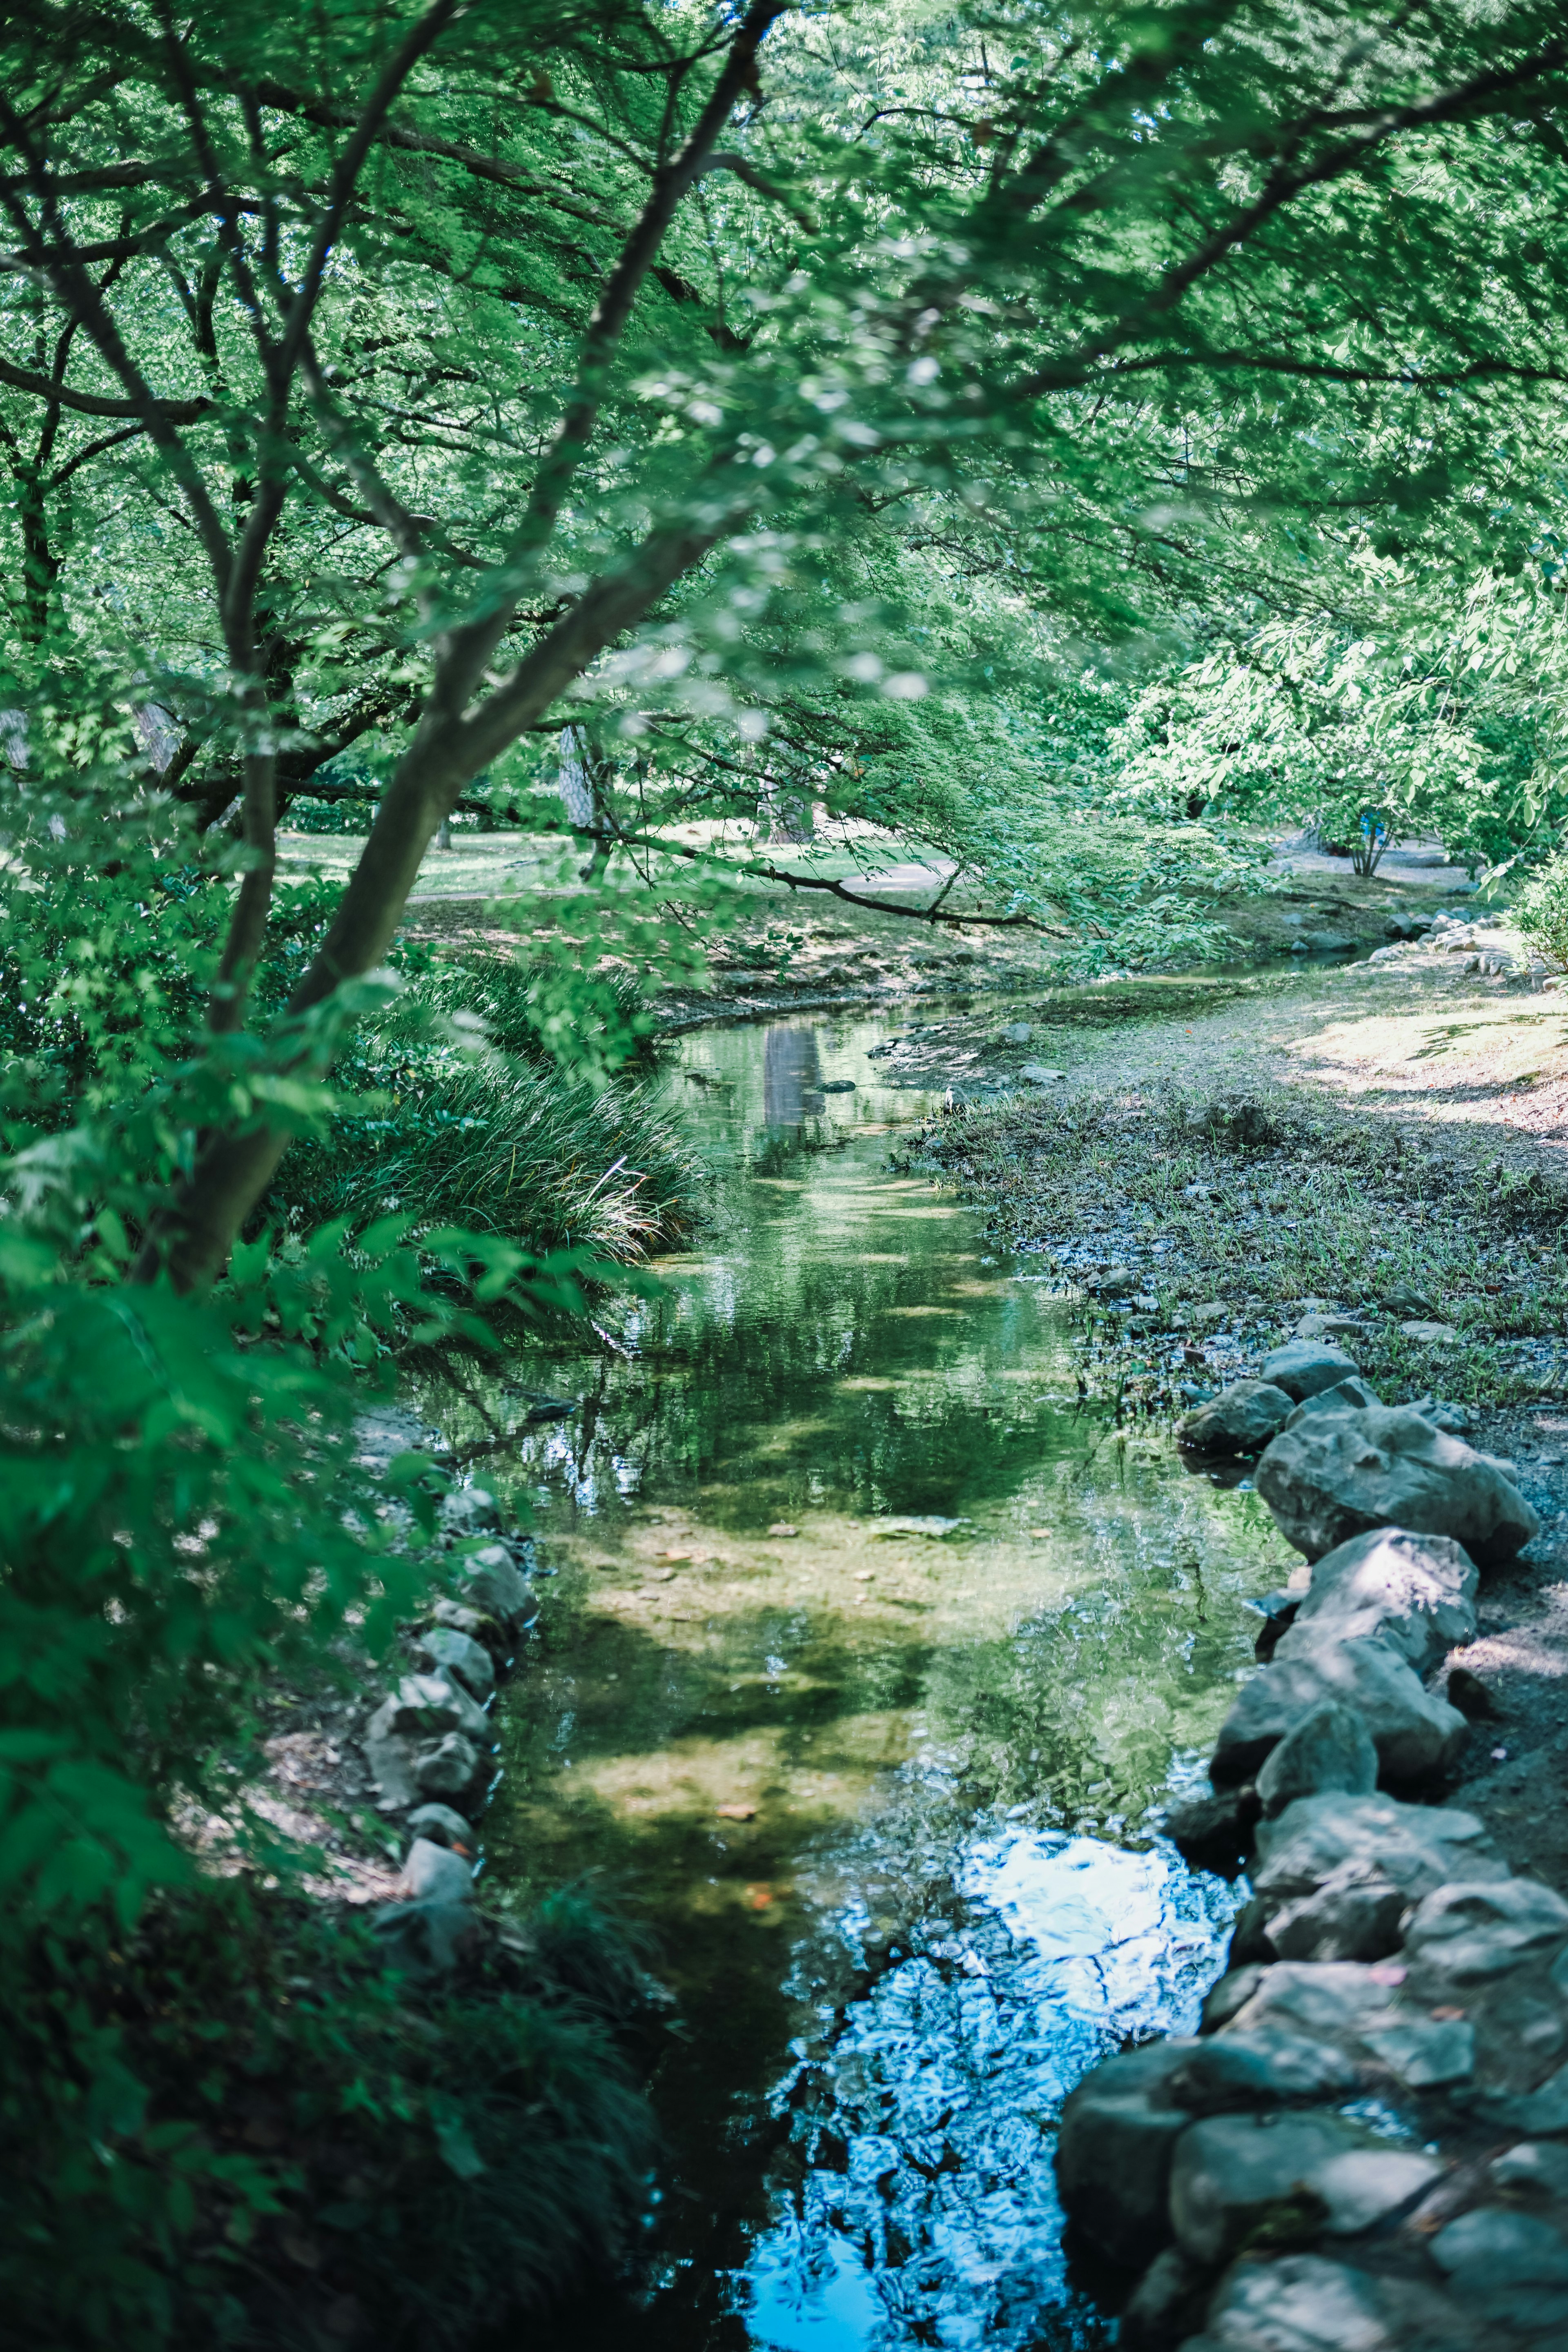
(1542, 908)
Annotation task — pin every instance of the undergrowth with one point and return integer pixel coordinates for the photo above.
(1258, 1207)
(230, 2126)
(470, 1122)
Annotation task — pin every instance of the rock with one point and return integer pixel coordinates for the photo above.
(428, 1938)
(392, 1760)
(1240, 1420)
(837, 1087)
(1510, 2269)
(1543, 2110)
(1331, 2000)
(1036, 1075)
(1429, 1334)
(429, 1705)
(468, 1510)
(1165, 2306)
(1117, 1282)
(442, 1826)
(1533, 2168)
(1422, 2052)
(1400, 1300)
(1278, 1610)
(1238, 1120)
(1470, 1695)
(1233, 2177)
(1329, 1748)
(1213, 1831)
(1017, 1033)
(1414, 1733)
(446, 1651)
(1467, 1932)
(1414, 1593)
(1346, 1396)
(1327, 943)
(447, 1768)
(1274, 2067)
(1338, 1475)
(474, 1622)
(492, 1582)
(1305, 2303)
(1113, 2152)
(1231, 1994)
(1329, 1327)
(1302, 1367)
(1416, 1848)
(434, 1874)
(1353, 1916)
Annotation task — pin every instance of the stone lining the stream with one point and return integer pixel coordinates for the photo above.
(1366, 2143)
(430, 1746)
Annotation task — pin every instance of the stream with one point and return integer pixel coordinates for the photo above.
(867, 1656)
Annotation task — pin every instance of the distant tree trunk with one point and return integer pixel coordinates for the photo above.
(584, 791)
(785, 813)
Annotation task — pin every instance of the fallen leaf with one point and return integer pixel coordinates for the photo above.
(759, 1898)
(736, 1812)
(782, 1528)
(675, 1555)
(864, 1575)
(1447, 2014)
(664, 1575)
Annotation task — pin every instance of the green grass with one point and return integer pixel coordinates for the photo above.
(500, 1140)
(1313, 1207)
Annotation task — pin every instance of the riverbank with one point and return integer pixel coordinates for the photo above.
(1376, 1162)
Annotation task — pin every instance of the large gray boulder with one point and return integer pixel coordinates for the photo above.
(1461, 1935)
(434, 1874)
(1416, 1593)
(449, 1767)
(444, 1650)
(1354, 1915)
(1305, 2303)
(1120, 2124)
(1237, 2177)
(1352, 1395)
(1416, 1848)
(493, 1583)
(1302, 1367)
(1329, 1748)
(431, 1705)
(1336, 1475)
(1512, 2271)
(1240, 1420)
(430, 1939)
(1414, 1732)
(1113, 2152)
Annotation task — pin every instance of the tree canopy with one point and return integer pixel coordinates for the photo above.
(811, 397)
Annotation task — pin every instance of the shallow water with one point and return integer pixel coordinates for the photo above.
(869, 1653)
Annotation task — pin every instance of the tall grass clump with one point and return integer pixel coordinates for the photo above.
(467, 1121)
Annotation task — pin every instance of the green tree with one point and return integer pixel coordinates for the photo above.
(449, 364)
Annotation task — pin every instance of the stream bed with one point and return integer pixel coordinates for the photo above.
(869, 1656)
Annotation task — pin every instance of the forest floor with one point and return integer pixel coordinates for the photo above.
(1387, 1141)
(779, 951)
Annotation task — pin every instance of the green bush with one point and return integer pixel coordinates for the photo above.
(1541, 909)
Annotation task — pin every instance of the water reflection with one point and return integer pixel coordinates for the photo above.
(926, 2211)
(792, 1078)
(869, 1651)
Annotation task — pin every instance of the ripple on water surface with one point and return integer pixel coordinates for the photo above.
(861, 1624)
